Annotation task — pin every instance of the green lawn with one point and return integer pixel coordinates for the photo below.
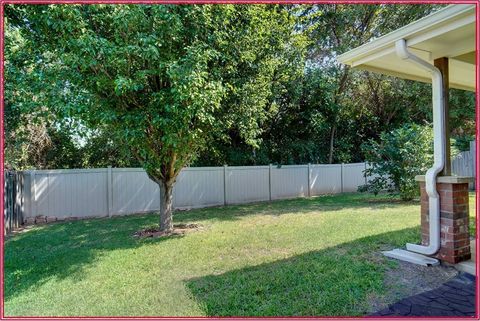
(317, 256)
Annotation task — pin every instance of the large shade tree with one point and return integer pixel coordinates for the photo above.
(162, 80)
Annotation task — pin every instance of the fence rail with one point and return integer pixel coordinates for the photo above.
(79, 193)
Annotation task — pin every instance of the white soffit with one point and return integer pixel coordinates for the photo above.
(449, 32)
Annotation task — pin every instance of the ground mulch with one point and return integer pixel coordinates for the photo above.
(178, 229)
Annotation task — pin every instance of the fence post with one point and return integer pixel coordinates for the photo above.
(365, 173)
(5, 201)
(27, 208)
(11, 180)
(33, 193)
(19, 199)
(473, 161)
(109, 191)
(270, 182)
(12, 183)
(341, 177)
(18, 196)
(7, 209)
(22, 199)
(225, 184)
(309, 179)
(473, 157)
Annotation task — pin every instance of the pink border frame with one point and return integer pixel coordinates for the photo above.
(2, 137)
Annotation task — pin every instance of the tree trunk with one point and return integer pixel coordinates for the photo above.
(166, 207)
(332, 139)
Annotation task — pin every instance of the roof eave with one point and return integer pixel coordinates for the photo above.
(416, 28)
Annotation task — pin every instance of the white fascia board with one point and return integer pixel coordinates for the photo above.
(396, 74)
(414, 32)
(389, 50)
(442, 29)
(423, 78)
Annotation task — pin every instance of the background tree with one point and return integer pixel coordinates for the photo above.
(335, 29)
(162, 80)
(317, 120)
(34, 136)
(100, 150)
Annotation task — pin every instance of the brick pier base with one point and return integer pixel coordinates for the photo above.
(454, 235)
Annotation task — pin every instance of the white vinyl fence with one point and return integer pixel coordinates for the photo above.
(78, 193)
(464, 163)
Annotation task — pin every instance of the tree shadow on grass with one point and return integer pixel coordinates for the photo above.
(62, 250)
(336, 281)
(327, 203)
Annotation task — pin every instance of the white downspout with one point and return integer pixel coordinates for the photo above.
(438, 149)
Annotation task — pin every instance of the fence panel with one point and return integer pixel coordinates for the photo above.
(198, 187)
(70, 193)
(7, 202)
(101, 192)
(464, 164)
(325, 179)
(473, 148)
(247, 184)
(13, 200)
(353, 176)
(289, 181)
(133, 192)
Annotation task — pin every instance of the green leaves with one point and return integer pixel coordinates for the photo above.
(398, 157)
(125, 86)
(226, 82)
(162, 80)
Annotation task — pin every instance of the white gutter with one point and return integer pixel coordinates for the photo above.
(446, 19)
(438, 149)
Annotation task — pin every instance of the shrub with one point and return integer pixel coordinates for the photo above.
(397, 157)
(462, 142)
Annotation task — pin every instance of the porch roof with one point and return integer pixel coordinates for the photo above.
(449, 32)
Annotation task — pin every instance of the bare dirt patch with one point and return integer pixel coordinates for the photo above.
(407, 279)
(178, 229)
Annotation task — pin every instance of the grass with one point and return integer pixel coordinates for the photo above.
(317, 256)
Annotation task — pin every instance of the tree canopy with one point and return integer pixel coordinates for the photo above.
(163, 81)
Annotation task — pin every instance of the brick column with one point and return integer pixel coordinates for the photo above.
(454, 235)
